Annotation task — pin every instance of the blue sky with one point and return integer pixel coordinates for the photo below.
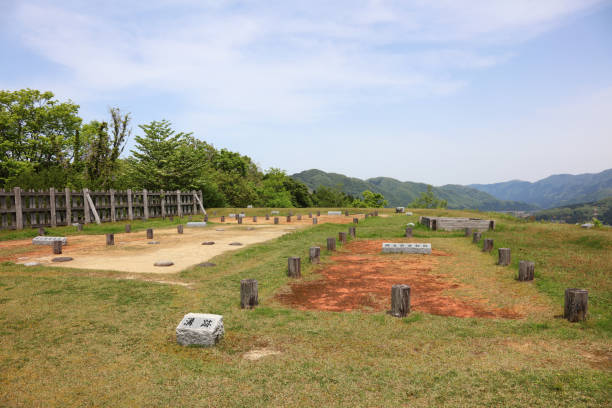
(430, 91)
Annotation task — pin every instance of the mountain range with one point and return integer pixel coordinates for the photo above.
(515, 195)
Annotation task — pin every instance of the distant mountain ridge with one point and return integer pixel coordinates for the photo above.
(400, 193)
(554, 191)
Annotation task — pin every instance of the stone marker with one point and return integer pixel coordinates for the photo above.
(57, 247)
(334, 213)
(526, 271)
(149, 233)
(223, 218)
(400, 300)
(196, 224)
(275, 220)
(353, 232)
(235, 243)
(476, 237)
(49, 240)
(503, 256)
(31, 264)
(153, 242)
(408, 232)
(110, 239)
(315, 254)
(294, 267)
(401, 248)
(355, 220)
(41, 231)
(208, 243)
(488, 245)
(200, 329)
(128, 228)
(179, 228)
(274, 212)
(331, 244)
(342, 237)
(576, 304)
(62, 259)
(163, 263)
(248, 294)
(315, 221)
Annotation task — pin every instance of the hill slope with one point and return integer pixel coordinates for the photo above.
(401, 193)
(582, 212)
(553, 191)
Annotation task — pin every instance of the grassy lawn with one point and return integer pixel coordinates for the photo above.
(86, 338)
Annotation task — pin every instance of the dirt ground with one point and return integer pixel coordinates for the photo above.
(360, 278)
(132, 253)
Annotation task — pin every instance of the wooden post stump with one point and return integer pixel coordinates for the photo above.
(275, 220)
(491, 225)
(331, 244)
(128, 228)
(576, 304)
(342, 237)
(294, 269)
(408, 232)
(267, 217)
(355, 220)
(526, 271)
(248, 294)
(223, 218)
(488, 245)
(315, 255)
(79, 227)
(288, 218)
(504, 256)
(376, 213)
(254, 218)
(41, 231)
(318, 213)
(346, 213)
(57, 247)
(149, 233)
(205, 218)
(179, 228)
(476, 237)
(239, 218)
(400, 300)
(353, 232)
(110, 239)
(299, 217)
(309, 215)
(468, 232)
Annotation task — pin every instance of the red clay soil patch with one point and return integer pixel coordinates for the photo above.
(360, 278)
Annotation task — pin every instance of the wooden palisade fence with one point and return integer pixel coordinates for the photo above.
(21, 209)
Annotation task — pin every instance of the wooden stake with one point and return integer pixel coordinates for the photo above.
(248, 294)
(400, 300)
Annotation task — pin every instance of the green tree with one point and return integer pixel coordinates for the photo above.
(371, 200)
(331, 197)
(428, 200)
(37, 134)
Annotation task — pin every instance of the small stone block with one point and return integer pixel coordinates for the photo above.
(208, 243)
(196, 224)
(153, 242)
(62, 259)
(235, 243)
(200, 329)
(31, 264)
(334, 213)
(163, 263)
(400, 248)
(49, 240)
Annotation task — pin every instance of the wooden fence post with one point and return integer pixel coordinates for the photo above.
(86, 215)
(53, 209)
(130, 208)
(18, 208)
(145, 204)
(294, 269)
(112, 206)
(400, 300)
(248, 294)
(68, 194)
(162, 198)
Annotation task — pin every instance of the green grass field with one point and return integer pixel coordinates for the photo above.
(86, 338)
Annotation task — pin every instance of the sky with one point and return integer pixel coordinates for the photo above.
(442, 92)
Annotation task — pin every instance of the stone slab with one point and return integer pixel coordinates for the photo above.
(62, 259)
(163, 263)
(196, 224)
(334, 213)
(274, 212)
(31, 264)
(401, 248)
(232, 215)
(42, 240)
(200, 329)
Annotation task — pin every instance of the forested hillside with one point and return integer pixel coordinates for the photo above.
(400, 193)
(582, 212)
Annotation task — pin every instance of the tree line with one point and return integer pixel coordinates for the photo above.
(44, 143)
